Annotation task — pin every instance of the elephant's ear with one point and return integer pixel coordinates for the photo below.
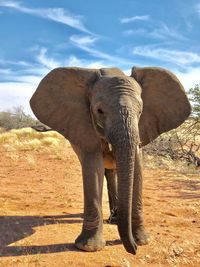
(165, 104)
(61, 102)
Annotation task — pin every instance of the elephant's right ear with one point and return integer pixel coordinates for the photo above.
(61, 102)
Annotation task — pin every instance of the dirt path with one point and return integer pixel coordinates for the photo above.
(41, 215)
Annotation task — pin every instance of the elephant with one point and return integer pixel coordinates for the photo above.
(108, 117)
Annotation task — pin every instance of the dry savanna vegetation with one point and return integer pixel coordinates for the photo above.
(42, 203)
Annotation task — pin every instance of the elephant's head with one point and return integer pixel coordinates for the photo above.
(87, 105)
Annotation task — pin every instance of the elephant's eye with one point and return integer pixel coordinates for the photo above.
(100, 111)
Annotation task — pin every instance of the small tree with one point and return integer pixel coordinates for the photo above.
(5, 120)
(16, 119)
(194, 96)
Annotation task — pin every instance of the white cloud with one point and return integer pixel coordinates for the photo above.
(161, 32)
(83, 40)
(18, 91)
(86, 44)
(27, 75)
(135, 18)
(98, 65)
(36, 70)
(74, 61)
(198, 8)
(128, 71)
(164, 31)
(56, 14)
(180, 58)
(11, 4)
(17, 63)
(5, 71)
(140, 31)
(189, 78)
(80, 42)
(48, 62)
(15, 94)
(77, 62)
(28, 79)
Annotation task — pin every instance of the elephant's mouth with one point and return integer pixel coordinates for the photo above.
(108, 155)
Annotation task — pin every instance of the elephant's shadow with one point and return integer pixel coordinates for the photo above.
(15, 228)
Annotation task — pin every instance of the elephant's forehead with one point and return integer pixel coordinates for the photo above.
(113, 83)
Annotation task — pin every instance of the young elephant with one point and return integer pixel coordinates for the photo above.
(107, 116)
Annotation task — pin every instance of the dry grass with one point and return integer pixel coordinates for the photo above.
(2, 130)
(158, 162)
(29, 141)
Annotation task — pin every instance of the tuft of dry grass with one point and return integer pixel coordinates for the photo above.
(27, 139)
(2, 130)
(158, 162)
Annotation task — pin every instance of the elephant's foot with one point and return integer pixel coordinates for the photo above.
(113, 217)
(141, 236)
(90, 243)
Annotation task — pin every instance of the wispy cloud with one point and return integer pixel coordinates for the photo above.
(16, 93)
(87, 44)
(135, 18)
(46, 61)
(165, 32)
(83, 40)
(198, 8)
(177, 57)
(24, 76)
(161, 32)
(5, 71)
(55, 14)
(78, 62)
(190, 77)
(11, 62)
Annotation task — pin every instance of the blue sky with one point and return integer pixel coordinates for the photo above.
(37, 36)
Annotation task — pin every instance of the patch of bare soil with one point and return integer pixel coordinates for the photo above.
(41, 205)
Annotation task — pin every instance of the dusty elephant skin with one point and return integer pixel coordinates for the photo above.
(107, 116)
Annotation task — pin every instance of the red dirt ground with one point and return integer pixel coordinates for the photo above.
(41, 203)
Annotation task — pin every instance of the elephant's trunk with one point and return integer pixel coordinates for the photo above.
(124, 139)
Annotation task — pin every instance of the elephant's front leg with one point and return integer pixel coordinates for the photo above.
(111, 178)
(139, 233)
(91, 238)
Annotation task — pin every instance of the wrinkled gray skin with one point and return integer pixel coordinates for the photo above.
(107, 116)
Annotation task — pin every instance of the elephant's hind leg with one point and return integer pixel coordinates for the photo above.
(111, 178)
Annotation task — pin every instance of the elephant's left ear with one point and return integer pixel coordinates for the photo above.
(165, 104)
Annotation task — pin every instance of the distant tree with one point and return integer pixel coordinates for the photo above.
(194, 96)
(16, 119)
(182, 143)
(5, 120)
